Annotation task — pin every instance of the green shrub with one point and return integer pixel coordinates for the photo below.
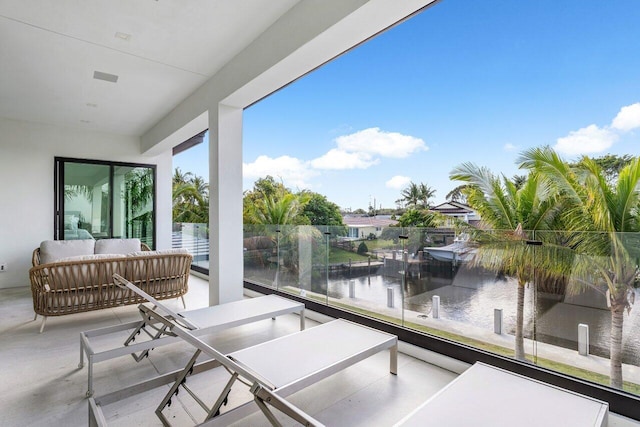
(362, 248)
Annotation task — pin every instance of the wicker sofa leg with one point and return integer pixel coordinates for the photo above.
(44, 320)
(184, 305)
(35, 316)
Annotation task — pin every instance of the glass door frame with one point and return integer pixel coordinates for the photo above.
(58, 191)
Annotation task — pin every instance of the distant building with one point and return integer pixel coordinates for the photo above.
(360, 227)
(458, 210)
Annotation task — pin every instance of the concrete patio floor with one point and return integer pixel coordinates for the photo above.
(43, 386)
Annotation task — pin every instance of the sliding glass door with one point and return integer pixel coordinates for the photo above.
(133, 202)
(97, 200)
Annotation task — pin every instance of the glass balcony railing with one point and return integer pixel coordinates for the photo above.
(559, 300)
(194, 238)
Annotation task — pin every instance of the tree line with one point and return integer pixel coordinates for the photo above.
(269, 202)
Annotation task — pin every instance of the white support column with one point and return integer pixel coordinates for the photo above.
(225, 205)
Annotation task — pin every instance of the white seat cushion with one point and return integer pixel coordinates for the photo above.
(53, 250)
(90, 257)
(117, 246)
(159, 252)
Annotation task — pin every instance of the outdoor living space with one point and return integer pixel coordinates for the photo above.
(44, 386)
(240, 133)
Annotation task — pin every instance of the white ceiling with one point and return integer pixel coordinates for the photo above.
(49, 51)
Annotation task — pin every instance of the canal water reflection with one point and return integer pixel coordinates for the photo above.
(469, 296)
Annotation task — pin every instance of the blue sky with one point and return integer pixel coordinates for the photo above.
(465, 80)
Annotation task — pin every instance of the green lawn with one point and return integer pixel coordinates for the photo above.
(340, 256)
(381, 244)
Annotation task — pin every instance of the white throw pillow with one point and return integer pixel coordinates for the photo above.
(117, 246)
(53, 250)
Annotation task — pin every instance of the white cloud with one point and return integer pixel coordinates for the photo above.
(509, 147)
(398, 182)
(292, 171)
(363, 149)
(377, 142)
(359, 150)
(628, 118)
(593, 139)
(339, 159)
(590, 139)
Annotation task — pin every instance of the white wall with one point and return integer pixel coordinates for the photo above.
(27, 151)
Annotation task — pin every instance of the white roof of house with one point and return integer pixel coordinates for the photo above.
(453, 208)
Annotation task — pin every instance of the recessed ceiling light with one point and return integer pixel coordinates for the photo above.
(99, 75)
(123, 36)
(89, 104)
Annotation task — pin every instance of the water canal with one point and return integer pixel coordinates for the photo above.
(469, 296)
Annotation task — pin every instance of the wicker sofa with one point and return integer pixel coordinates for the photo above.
(74, 276)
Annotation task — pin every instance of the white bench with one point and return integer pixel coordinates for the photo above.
(203, 321)
(488, 396)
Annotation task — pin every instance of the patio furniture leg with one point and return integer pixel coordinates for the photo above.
(184, 305)
(142, 327)
(267, 412)
(180, 381)
(302, 325)
(35, 316)
(81, 364)
(263, 396)
(222, 399)
(90, 376)
(44, 320)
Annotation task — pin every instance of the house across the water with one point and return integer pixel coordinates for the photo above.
(362, 227)
(459, 211)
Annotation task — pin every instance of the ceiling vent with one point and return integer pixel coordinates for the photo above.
(99, 75)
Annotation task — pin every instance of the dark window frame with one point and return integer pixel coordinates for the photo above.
(58, 198)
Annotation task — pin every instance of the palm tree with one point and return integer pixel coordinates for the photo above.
(458, 194)
(411, 195)
(598, 212)
(277, 211)
(180, 177)
(417, 195)
(509, 211)
(519, 180)
(285, 210)
(190, 198)
(138, 196)
(426, 193)
(201, 186)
